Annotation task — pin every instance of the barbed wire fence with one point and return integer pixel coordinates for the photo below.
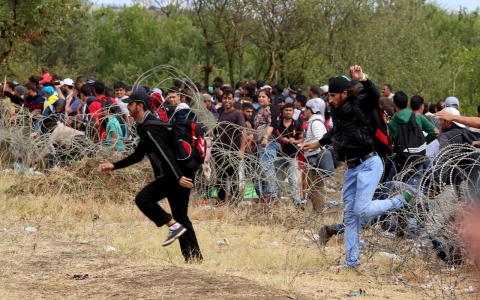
(423, 247)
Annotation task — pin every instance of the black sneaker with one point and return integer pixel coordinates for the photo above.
(174, 234)
(325, 233)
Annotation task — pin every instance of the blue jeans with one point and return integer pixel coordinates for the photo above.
(267, 155)
(358, 189)
(390, 225)
(288, 166)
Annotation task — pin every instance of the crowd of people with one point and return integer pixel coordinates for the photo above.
(296, 136)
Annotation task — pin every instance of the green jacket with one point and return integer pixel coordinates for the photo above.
(402, 117)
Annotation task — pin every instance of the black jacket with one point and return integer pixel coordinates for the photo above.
(15, 99)
(350, 136)
(155, 142)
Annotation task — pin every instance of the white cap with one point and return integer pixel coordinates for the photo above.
(324, 88)
(455, 112)
(68, 81)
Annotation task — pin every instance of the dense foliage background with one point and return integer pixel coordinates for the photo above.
(418, 47)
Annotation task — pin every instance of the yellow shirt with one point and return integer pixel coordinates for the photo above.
(52, 99)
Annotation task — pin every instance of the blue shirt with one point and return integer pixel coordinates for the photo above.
(114, 126)
(74, 106)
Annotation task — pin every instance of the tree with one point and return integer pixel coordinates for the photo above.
(284, 26)
(137, 37)
(25, 21)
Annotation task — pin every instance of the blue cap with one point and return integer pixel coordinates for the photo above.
(139, 88)
(91, 99)
(49, 90)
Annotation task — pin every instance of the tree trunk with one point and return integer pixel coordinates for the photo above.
(208, 67)
(230, 55)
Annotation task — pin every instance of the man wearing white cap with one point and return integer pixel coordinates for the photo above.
(456, 133)
(467, 121)
(452, 131)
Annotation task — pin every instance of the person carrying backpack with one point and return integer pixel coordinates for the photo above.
(98, 112)
(354, 142)
(173, 180)
(406, 130)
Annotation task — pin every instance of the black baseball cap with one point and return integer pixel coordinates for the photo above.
(138, 96)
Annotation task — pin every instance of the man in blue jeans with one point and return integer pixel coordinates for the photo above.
(409, 227)
(353, 141)
(291, 134)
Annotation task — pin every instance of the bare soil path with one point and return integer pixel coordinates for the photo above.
(41, 266)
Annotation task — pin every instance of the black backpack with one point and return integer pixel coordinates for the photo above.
(376, 122)
(411, 143)
(188, 141)
(277, 99)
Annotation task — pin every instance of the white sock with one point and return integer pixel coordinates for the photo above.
(175, 226)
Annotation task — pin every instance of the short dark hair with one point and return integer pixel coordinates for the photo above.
(48, 124)
(314, 90)
(289, 105)
(238, 85)
(178, 83)
(172, 90)
(302, 99)
(227, 92)
(432, 107)
(247, 105)
(280, 88)
(425, 108)
(11, 85)
(118, 85)
(389, 86)
(400, 99)
(34, 79)
(218, 79)
(86, 90)
(109, 92)
(250, 88)
(147, 89)
(81, 79)
(56, 76)
(237, 105)
(99, 87)
(440, 105)
(416, 102)
(478, 109)
(31, 86)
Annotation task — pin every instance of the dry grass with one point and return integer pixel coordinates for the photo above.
(266, 256)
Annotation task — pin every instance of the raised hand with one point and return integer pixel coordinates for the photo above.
(356, 72)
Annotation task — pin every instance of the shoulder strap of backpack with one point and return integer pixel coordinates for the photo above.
(311, 127)
(150, 122)
(360, 115)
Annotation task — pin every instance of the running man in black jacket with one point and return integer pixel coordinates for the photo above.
(171, 180)
(353, 141)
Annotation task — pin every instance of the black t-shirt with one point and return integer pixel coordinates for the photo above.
(229, 129)
(294, 130)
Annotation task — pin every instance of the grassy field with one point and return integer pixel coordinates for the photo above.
(269, 252)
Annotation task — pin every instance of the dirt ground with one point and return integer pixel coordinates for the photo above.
(41, 266)
(269, 254)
